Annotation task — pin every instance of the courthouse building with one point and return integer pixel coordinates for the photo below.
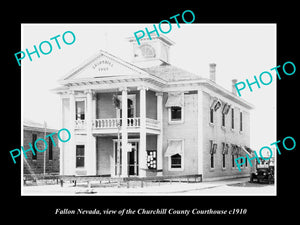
(174, 123)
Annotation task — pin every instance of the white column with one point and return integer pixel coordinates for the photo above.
(124, 132)
(90, 151)
(160, 136)
(200, 131)
(142, 150)
(62, 145)
(70, 161)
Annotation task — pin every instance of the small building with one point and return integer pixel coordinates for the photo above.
(175, 122)
(34, 164)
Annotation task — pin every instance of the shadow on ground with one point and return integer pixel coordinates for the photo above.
(248, 184)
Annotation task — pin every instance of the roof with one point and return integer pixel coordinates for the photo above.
(32, 125)
(162, 75)
(171, 73)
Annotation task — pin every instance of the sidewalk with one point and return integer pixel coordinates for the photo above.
(162, 189)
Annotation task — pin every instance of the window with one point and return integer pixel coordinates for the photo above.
(211, 160)
(175, 105)
(147, 51)
(224, 152)
(131, 106)
(34, 137)
(232, 118)
(80, 110)
(223, 119)
(175, 154)
(223, 161)
(241, 163)
(241, 121)
(212, 115)
(50, 147)
(176, 113)
(176, 161)
(213, 149)
(233, 161)
(79, 156)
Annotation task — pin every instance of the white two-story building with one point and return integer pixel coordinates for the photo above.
(175, 122)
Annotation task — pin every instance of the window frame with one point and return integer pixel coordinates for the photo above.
(33, 140)
(241, 121)
(50, 147)
(170, 115)
(233, 161)
(182, 156)
(232, 118)
(76, 156)
(223, 161)
(212, 161)
(80, 100)
(132, 97)
(223, 157)
(211, 115)
(223, 120)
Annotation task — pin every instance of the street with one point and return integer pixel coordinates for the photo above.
(237, 186)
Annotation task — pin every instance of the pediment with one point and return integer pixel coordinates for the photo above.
(104, 65)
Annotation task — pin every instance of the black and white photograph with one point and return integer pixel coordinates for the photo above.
(185, 130)
(137, 113)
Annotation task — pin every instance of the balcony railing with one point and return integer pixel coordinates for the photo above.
(117, 122)
(80, 124)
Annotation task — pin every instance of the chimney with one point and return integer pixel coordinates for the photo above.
(233, 86)
(212, 72)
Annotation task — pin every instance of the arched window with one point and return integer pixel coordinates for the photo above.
(148, 51)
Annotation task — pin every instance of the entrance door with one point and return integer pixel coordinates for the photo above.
(132, 158)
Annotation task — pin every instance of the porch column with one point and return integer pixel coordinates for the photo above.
(70, 162)
(124, 132)
(63, 145)
(160, 135)
(90, 140)
(142, 146)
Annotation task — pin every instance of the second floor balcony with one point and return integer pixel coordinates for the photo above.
(113, 124)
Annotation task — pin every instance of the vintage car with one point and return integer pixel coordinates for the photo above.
(264, 172)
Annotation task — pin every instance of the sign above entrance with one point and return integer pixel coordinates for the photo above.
(102, 65)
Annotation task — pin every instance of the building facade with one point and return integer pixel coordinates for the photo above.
(175, 122)
(47, 161)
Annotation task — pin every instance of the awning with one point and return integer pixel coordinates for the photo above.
(216, 104)
(225, 148)
(174, 147)
(226, 108)
(247, 150)
(213, 147)
(175, 99)
(234, 149)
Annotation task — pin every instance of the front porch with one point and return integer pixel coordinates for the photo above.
(100, 115)
(114, 160)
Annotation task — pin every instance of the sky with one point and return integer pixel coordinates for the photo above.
(240, 51)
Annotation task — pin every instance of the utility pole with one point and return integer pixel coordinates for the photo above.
(45, 132)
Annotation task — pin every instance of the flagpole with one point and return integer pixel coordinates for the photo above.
(45, 125)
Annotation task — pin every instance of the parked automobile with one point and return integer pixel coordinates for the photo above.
(264, 172)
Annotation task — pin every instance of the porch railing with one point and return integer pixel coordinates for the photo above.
(115, 122)
(106, 123)
(80, 124)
